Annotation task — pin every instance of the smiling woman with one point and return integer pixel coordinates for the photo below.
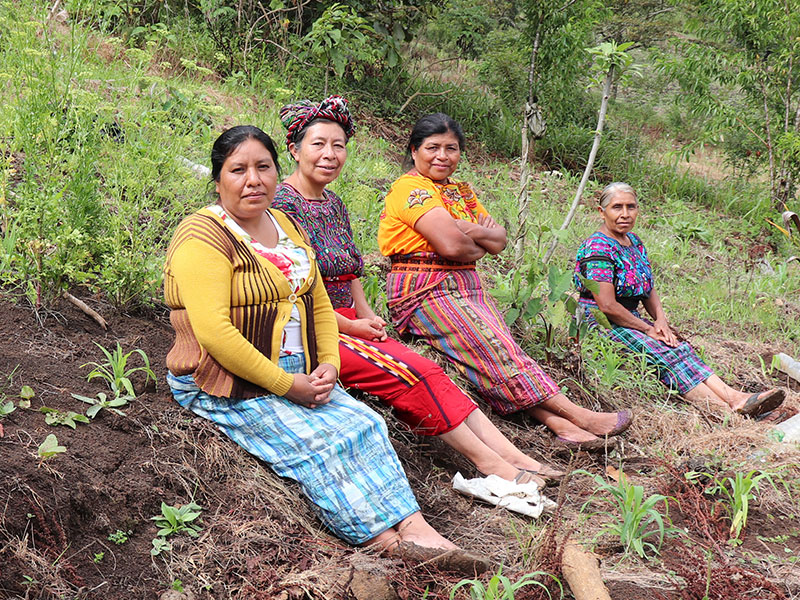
(256, 353)
(613, 262)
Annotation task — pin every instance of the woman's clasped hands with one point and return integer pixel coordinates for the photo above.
(370, 328)
(314, 389)
(661, 331)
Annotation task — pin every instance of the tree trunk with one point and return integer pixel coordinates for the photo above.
(523, 199)
(601, 119)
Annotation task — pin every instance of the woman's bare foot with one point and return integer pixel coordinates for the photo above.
(562, 427)
(416, 530)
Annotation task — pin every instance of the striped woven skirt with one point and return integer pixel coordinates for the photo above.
(339, 453)
(444, 303)
(678, 368)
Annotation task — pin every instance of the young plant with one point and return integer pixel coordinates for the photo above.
(115, 370)
(736, 491)
(101, 402)
(501, 587)
(175, 520)
(635, 518)
(6, 408)
(49, 448)
(119, 537)
(25, 394)
(55, 417)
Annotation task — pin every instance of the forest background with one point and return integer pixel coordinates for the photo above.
(109, 111)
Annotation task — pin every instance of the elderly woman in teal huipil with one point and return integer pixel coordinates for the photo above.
(615, 259)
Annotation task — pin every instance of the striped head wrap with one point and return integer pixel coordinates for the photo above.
(296, 116)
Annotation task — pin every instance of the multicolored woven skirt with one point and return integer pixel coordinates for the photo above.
(339, 453)
(444, 304)
(678, 368)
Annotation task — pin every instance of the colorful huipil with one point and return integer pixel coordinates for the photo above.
(419, 392)
(603, 259)
(229, 305)
(443, 302)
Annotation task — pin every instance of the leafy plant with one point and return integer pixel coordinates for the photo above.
(737, 492)
(49, 448)
(119, 537)
(115, 370)
(174, 519)
(98, 557)
(55, 417)
(159, 545)
(101, 402)
(26, 393)
(6, 408)
(635, 519)
(501, 587)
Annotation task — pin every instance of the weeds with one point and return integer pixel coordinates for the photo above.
(101, 402)
(55, 417)
(634, 519)
(119, 537)
(172, 520)
(49, 448)
(501, 587)
(115, 372)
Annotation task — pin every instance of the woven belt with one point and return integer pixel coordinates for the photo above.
(405, 262)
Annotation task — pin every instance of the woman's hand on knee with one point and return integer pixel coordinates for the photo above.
(323, 378)
(661, 331)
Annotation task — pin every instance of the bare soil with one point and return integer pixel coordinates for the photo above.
(260, 539)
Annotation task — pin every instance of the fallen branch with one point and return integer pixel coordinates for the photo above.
(87, 310)
(582, 573)
(415, 94)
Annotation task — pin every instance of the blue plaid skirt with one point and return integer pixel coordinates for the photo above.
(339, 453)
(678, 368)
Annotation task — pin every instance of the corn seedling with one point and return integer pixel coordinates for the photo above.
(49, 448)
(114, 370)
(736, 493)
(55, 417)
(101, 402)
(501, 587)
(635, 519)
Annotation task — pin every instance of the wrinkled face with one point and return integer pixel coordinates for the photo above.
(437, 156)
(322, 153)
(619, 215)
(247, 181)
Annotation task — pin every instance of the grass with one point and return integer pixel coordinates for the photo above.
(91, 189)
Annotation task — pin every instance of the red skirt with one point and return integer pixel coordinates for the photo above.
(416, 388)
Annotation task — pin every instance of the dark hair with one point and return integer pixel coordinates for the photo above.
(234, 137)
(300, 135)
(431, 125)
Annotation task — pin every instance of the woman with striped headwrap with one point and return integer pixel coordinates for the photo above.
(418, 390)
(434, 229)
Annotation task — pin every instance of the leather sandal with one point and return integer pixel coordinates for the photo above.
(762, 402)
(624, 420)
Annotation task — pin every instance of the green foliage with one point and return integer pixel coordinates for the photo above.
(116, 373)
(6, 408)
(634, 518)
(98, 557)
(531, 295)
(736, 491)
(174, 519)
(501, 587)
(463, 26)
(101, 402)
(119, 536)
(55, 417)
(49, 448)
(160, 545)
(337, 40)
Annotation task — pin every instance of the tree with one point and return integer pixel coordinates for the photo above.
(740, 71)
(611, 63)
(557, 33)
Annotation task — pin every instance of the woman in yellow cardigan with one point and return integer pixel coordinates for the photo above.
(256, 353)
